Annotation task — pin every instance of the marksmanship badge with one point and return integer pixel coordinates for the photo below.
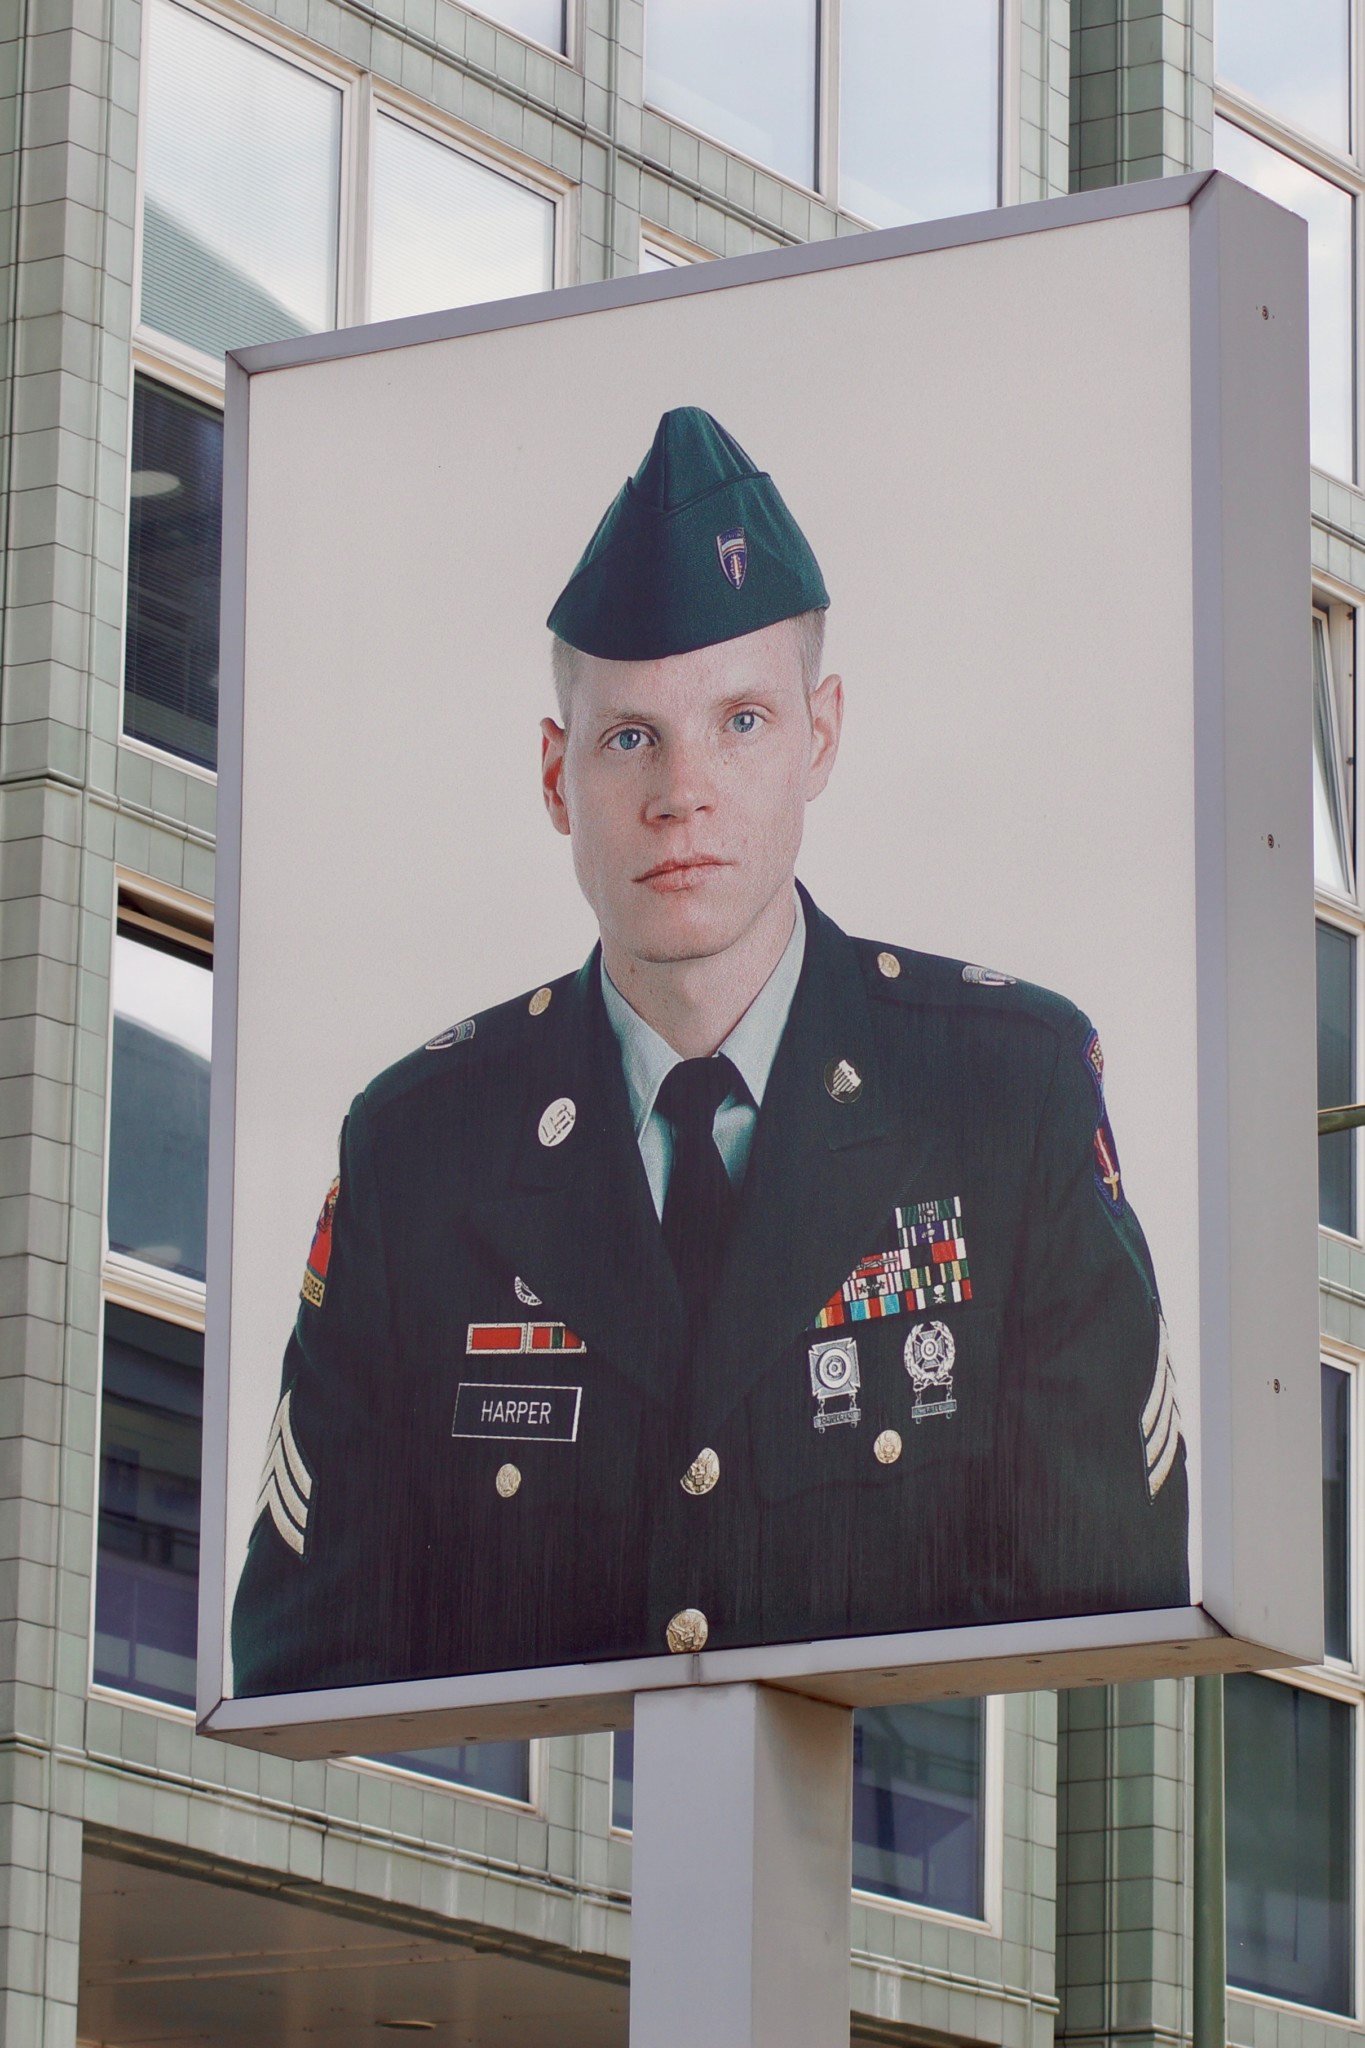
(835, 1379)
(733, 550)
(929, 1355)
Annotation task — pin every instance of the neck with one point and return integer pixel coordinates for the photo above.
(694, 1005)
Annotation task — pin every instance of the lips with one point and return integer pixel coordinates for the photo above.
(668, 877)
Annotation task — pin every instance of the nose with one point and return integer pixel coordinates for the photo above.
(682, 784)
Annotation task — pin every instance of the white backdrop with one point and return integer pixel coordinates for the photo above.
(989, 450)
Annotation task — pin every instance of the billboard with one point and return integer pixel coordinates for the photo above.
(823, 1037)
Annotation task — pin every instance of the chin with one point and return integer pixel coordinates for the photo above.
(684, 931)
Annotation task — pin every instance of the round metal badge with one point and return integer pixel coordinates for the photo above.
(540, 1002)
(888, 1447)
(889, 965)
(557, 1121)
(507, 1481)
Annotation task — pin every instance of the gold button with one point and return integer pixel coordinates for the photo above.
(843, 1082)
(539, 1003)
(507, 1481)
(889, 965)
(887, 1448)
(687, 1631)
(702, 1474)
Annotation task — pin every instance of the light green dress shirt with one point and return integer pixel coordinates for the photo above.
(646, 1059)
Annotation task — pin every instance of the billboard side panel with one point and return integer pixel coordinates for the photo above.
(1250, 473)
(212, 1658)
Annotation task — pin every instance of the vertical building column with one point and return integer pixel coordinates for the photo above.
(1141, 90)
(1124, 1846)
(68, 100)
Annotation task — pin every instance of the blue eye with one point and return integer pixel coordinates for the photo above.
(745, 721)
(629, 739)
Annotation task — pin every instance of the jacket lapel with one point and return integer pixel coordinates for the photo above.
(823, 1175)
(577, 1221)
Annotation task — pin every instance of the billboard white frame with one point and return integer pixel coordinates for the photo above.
(1260, 1604)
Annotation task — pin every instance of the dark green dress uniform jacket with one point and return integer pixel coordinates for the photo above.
(1042, 1475)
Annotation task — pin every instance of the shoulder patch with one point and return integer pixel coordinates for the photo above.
(286, 1492)
(1160, 1421)
(315, 1272)
(1094, 1059)
(987, 977)
(456, 1035)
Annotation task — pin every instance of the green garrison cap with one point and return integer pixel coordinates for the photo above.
(695, 548)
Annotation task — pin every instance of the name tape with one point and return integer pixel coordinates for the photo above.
(546, 1415)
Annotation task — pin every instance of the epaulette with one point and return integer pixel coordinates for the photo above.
(494, 1034)
(898, 974)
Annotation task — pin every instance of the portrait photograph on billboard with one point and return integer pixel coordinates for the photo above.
(761, 1134)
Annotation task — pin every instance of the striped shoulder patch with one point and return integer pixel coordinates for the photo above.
(1161, 1417)
(315, 1272)
(286, 1483)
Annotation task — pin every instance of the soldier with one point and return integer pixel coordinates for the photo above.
(753, 1284)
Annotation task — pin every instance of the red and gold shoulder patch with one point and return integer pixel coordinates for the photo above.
(315, 1272)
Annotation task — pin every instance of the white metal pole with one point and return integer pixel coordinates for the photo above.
(741, 1869)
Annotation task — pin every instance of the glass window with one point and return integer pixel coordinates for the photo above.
(623, 1778)
(1336, 1075)
(170, 675)
(147, 1572)
(1336, 1511)
(541, 21)
(1331, 817)
(448, 231)
(919, 118)
(1295, 60)
(159, 1104)
(502, 1767)
(917, 1783)
(1328, 211)
(241, 188)
(742, 71)
(918, 1778)
(655, 259)
(1289, 1828)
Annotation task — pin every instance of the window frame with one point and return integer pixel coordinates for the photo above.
(1341, 608)
(1344, 1359)
(992, 1919)
(534, 1806)
(825, 139)
(364, 97)
(1346, 170)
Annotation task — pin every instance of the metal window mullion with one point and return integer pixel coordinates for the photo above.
(829, 33)
(358, 187)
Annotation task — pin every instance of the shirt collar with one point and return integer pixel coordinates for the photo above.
(647, 1059)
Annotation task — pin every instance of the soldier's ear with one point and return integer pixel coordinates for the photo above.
(552, 740)
(826, 703)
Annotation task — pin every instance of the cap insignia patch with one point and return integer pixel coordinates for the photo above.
(315, 1272)
(733, 550)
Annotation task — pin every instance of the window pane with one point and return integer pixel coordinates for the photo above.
(1327, 209)
(918, 121)
(623, 1778)
(654, 259)
(1336, 1075)
(147, 1573)
(159, 1106)
(503, 1767)
(1331, 838)
(175, 525)
(917, 1782)
(448, 231)
(241, 182)
(542, 21)
(1336, 1510)
(742, 71)
(1295, 60)
(1290, 1879)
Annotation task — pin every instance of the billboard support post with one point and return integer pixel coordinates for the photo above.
(741, 1869)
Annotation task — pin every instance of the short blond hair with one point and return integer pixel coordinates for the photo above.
(810, 642)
